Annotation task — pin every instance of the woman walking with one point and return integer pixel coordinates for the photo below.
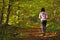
(43, 17)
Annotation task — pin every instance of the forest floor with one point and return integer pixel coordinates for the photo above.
(33, 33)
(40, 37)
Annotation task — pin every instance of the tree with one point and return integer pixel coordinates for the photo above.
(2, 12)
(9, 9)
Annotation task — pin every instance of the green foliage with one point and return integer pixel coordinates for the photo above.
(24, 13)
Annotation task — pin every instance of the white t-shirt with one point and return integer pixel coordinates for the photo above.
(43, 16)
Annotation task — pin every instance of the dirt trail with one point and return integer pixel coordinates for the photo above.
(36, 34)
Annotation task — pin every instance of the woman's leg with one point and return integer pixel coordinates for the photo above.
(43, 27)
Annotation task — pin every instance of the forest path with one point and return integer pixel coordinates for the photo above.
(36, 34)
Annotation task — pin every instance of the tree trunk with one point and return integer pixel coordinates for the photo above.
(7, 19)
(2, 12)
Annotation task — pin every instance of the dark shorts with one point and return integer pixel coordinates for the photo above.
(44, 22)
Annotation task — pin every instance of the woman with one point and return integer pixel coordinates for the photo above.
(43, 17)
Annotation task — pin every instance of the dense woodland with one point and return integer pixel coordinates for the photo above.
(24, 14)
